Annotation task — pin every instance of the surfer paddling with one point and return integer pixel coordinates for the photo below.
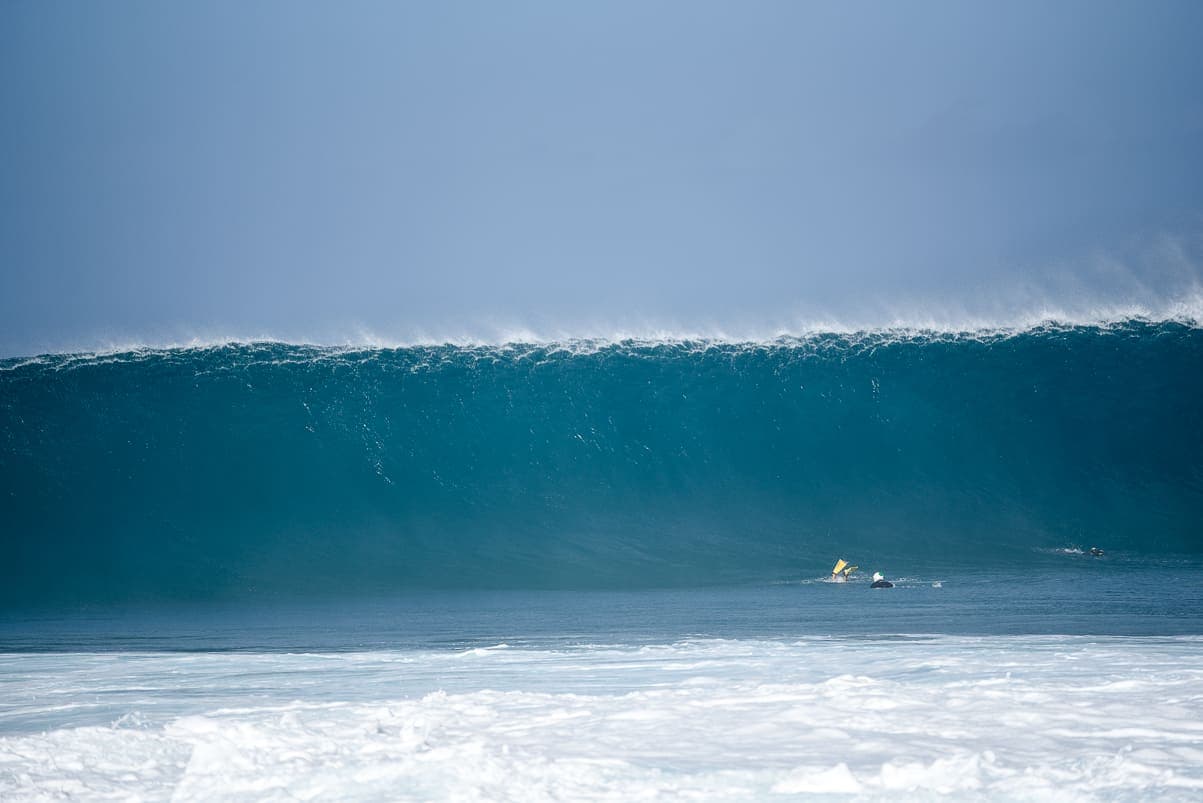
(879, 581)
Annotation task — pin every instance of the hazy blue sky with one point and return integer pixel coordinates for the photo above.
(319, 170)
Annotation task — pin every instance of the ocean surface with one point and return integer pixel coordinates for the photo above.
(598, 570)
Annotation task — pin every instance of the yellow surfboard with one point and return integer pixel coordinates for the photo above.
(842, 567)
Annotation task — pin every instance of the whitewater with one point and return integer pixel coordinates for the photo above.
(1020, 718)
(596, 569)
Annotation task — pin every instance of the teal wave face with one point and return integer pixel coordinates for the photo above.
(272, 468)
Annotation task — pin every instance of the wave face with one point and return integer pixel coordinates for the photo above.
(274, 468)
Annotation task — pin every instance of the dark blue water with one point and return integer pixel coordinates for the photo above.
(1082, 597)
(258, 477)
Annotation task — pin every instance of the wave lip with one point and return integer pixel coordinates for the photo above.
(1185, 311)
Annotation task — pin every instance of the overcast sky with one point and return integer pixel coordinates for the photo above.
(329, 171)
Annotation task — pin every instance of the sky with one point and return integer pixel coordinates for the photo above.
(362, 172)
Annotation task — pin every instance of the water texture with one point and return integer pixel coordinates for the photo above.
(952, 718)
(292, 470)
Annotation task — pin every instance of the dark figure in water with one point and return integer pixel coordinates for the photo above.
(1094, 550)
(880, 582)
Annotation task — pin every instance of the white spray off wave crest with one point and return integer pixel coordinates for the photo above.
(1158, 280)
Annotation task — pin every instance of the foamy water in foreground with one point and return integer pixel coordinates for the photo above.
(1024, 717)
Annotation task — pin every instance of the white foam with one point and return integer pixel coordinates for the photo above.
(883, 324)
(967, 718)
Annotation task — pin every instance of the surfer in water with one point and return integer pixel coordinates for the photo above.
(841, 571)
(879, 581)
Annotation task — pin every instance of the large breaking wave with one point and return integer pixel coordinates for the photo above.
(276, 468)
